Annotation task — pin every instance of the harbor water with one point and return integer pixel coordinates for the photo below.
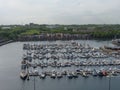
(10, 65)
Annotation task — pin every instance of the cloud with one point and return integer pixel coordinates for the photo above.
(59, 11)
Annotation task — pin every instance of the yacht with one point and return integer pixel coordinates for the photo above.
(23, 74)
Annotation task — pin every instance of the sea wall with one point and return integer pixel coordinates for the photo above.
(51, 37)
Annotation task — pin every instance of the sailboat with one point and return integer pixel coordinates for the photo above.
(94, 73)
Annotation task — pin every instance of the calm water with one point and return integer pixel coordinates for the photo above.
(10, 58)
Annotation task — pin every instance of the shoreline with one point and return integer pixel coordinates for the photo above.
(6, 42)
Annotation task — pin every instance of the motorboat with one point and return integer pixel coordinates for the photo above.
(53, 74)
(59, 75)
(42, 75)
(69, 75)
(23, 74)
(84, 74)
(75, 74)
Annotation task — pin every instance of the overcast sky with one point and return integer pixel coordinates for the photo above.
(60, 11)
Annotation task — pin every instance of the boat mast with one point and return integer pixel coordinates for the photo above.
(34, 83)
(110, 82)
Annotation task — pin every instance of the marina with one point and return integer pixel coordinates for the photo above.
(59, 45)
(68, 58)
(71, 77)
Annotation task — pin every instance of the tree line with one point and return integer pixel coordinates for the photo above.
(95, 31)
